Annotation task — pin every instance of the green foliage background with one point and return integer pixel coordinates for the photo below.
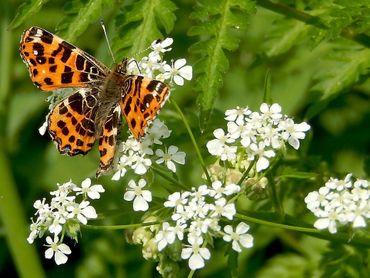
(317, 53)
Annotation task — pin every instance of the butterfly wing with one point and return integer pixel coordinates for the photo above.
(108, 139)
(71, 122)
(141, 101)
(54, 63)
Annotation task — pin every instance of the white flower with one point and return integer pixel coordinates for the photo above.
(293, 132)
(142, 164)
(165, 236)
(178, 72)
(82, 212)
(169, 156)
(237, 115)
(177, 200)
(141, 197)
(162, 46)
(93, 192)
(56, 249)
(226, 210)
(273, 111)
(239, 237)
(195, 253)
(263, 154)
(219, 189)
(340, 202)
(217, 146)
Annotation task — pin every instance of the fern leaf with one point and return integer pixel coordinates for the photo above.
(140, 23)
(220, 25)
(285, 34)
(345, 261)
(338, 73)
(79, 16)
(25, 10)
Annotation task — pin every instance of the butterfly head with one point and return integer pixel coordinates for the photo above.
(122, 67)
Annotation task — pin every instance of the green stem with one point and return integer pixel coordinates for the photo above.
(192, 140)
(246, 173)
(312, 20)
(119, 227)
(12, 215)
(13, 218)
(341, 237)
(170, 179)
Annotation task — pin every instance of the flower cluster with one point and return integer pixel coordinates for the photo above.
(196, 217)
(152, 66)
(340, 202)
(63, 215)
(255, 136)
(138, 155)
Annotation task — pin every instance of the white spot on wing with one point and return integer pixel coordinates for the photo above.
(35, 52)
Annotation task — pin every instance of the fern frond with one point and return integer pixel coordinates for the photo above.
(25, 10)
(220, 23)
(140, 23)
(343, 69)
(79, 14)
(345, 261)
(285, 34)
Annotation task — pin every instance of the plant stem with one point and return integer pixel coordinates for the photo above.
(192, 140)
(341, 237)
(169, 178)
(119, 227)
(312, 20)
(13, 217)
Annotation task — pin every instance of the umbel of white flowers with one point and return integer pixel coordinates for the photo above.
(256, 135)
(340, 202)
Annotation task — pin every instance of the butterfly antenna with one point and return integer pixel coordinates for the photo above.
(106, 38)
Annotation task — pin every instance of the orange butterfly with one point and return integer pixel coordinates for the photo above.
(93, 112)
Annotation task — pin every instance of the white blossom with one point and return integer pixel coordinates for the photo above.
(340, 202)
(92, 191)
(170, 156)
(239, 237)
(195, 253)
(57, 249)
(141, 197)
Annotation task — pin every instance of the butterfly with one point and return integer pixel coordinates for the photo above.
(93, 112)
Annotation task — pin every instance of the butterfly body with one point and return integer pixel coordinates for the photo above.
(93, 112)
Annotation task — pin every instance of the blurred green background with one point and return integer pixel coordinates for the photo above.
(317, 76)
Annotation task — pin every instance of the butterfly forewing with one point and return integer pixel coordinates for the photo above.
(71, 122)
(54, 63)
(142, 101)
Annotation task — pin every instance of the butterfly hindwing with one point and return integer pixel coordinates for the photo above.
(141, 102)
(108, 139)
(71, 122)
(54, 63)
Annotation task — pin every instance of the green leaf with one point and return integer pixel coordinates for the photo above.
(285, 266)
(25, 10)
(343, 68)
(345, 261)
(219, 27)
(141, 23)
(79, 14)
(232, 262)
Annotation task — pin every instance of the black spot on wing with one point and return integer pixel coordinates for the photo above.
(80, 62)
(67, 77)
(38, 49)
(47, 37)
